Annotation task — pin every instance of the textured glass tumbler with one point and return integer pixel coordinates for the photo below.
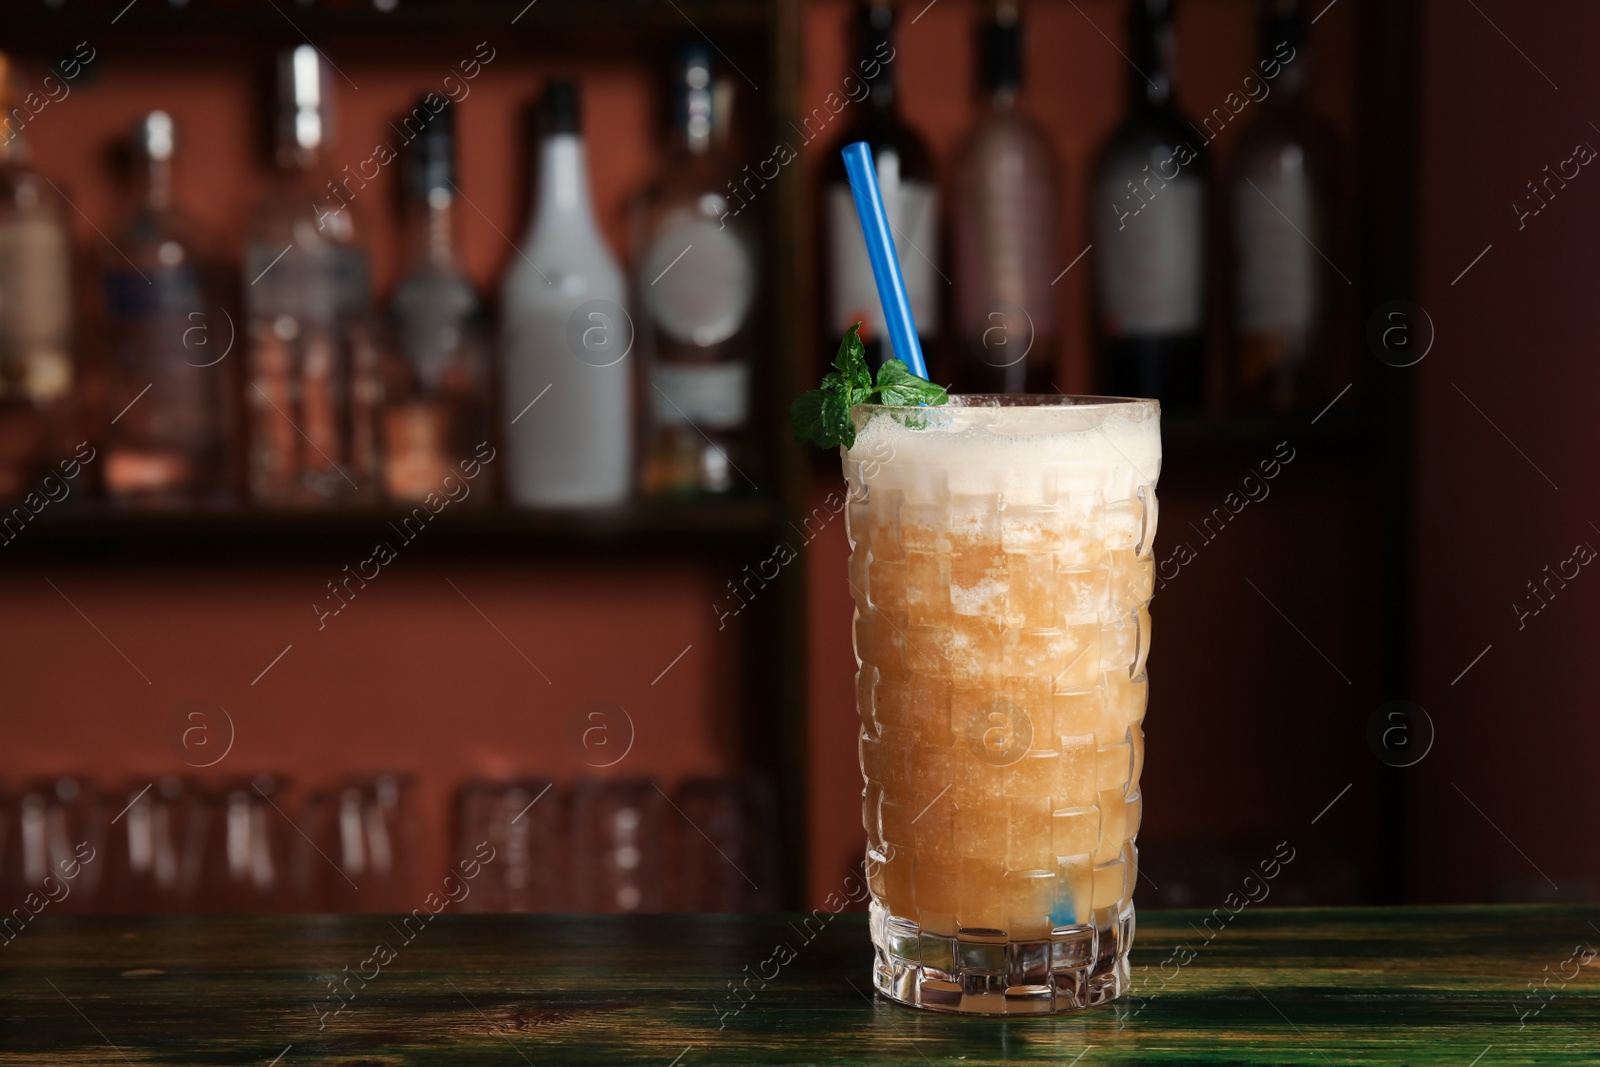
(1002, 570)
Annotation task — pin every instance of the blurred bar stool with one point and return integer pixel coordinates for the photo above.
(245, 864)
(522, 821)
(55, 844)
(725, 860)
(364, 833)
(617, 850)
(157, 846)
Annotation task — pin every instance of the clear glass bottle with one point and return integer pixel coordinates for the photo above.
(1147, 213)
(1007, 231)
(168, 381)
(36, 314)
(1284, 184)
(566, 337)
(436, 409)
(697, 284)
(314, 387)
(910, 197)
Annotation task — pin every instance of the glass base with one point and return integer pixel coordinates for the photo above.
(978, 973)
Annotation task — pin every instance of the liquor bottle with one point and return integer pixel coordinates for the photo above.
(436, 409)
(910, 197)
(1006, 231)
(1147, 210)
(313, 387)
(35, 310)
(696, 282)
(1283, 191)
(168, 381)
(566, 333)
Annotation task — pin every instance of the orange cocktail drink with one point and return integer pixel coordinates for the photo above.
(1002, 570)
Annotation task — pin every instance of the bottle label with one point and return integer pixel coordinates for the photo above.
(712, 396)
(168, 293)
(161, 332)
(36, 295)
(913, 210)
(1277, 272)
(321, 285)
(697, 282)
(436, 314)
(1152, 258)
(415, 442)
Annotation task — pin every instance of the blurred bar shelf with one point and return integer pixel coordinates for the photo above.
(642, 528)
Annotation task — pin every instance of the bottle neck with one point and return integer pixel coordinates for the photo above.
(695, 142)
(563, 188)
(696, 113)
(692, 140)
(157, 191)
(1153, 59)
(874, 44)
(1003, 99)
(292, 156)
(1292, 77)
(881, 98)
(432, 228)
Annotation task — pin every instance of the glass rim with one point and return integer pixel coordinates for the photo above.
(982, 401)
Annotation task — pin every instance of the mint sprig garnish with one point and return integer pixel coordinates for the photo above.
(822, 416)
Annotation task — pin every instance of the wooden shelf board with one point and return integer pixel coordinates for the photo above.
(38, 29)
(98, 530)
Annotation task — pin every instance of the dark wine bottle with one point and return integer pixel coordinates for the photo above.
(1282, 199)
(1006, 230)
(910, 196)
(1147, 214)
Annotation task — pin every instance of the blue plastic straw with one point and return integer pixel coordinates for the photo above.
(897, 315)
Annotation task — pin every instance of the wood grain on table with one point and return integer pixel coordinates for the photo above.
(1464, 987)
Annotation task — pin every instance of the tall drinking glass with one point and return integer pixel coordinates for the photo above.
(1002, 570)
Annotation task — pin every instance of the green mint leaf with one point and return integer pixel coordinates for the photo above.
(805, 417)
(851, 361)
(897, 385)
(822, 416)
(837, 427)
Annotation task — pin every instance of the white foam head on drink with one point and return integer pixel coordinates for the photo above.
(1029, 454)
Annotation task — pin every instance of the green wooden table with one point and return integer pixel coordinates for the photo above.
(1448, 986)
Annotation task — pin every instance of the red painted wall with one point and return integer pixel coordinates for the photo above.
(1504, 805)
(408, 677)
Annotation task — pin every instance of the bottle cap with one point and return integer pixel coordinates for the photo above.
(305, 99)
(1151, 47)
(874, 30)
(693, 101)
(1281, 23)
(877, 16)
(1147, 17)
(431, 155)
(1000, 48)
(155, 136)
(559, 108)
